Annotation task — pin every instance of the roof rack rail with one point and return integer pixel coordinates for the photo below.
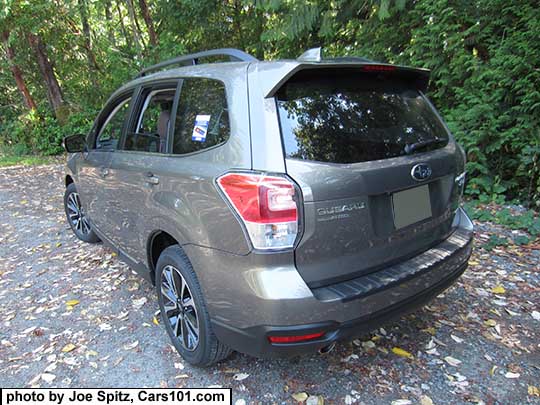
(193, 58)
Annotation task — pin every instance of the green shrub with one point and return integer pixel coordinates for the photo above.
(33, 133)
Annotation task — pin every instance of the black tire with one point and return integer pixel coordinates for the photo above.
(76, 217)
(208, 349)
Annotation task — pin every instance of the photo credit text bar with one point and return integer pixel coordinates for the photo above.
(115, 396)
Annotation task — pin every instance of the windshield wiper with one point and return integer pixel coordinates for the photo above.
(410, 148)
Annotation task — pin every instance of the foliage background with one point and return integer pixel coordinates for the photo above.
(484, 56)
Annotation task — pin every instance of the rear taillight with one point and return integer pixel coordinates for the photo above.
(267, 206)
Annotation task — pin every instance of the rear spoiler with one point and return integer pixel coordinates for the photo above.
(418, 77)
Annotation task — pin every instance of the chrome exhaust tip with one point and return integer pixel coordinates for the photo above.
(327, 349)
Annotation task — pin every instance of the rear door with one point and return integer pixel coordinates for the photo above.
(376, 166)
(95, 186)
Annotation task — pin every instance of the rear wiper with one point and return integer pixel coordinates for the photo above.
(410, 148)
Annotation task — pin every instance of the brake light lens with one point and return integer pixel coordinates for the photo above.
(267, 206)
(378, 68)
(294, 339)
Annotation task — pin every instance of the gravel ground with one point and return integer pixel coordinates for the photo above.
(71, 314)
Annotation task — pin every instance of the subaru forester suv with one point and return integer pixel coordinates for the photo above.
(278, 206)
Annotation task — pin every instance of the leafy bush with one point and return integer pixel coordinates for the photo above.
(524, 220)
(33, 133)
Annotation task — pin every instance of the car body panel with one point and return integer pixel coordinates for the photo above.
(348, 210)
(261, 289)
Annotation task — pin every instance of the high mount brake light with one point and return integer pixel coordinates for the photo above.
(378, 68)
(267, 206)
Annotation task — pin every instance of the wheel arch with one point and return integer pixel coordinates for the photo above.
(158, 241)
(69, 180)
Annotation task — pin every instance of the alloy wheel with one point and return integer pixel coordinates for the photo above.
(179, 308)
(77, 215)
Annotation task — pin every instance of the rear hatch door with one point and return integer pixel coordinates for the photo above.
(376, 166)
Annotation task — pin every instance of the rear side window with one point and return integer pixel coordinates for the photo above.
(202, 119)
(153, 122)
(355, 117)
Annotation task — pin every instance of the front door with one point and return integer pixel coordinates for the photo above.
(95, 185)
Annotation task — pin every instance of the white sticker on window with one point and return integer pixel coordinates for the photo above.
(201, 128)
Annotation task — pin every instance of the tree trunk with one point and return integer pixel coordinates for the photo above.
(17, 73)
(149, 23)
(92, 64)
(54, 92)
(122, 25)
(134, 27)
(109, 18)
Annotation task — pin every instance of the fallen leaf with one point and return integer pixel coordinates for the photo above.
(130, 346)
(350, 357)
(315, 400)
(509, 374)
(452, 361)
(430, 330)
(456, 339)
(300, 396)
(402, 353)
(533, 391)
(240, 376)
(138, 304)
(498, 290)
(490, 322)
(48, 377)
(368, 345)
(536, 315)
(104, 326)
(133, 286)
(425, 400)
(68, 348)
(72, 303)
(155, 321)
(401, 402)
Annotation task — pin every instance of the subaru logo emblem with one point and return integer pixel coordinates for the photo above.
(421, 172)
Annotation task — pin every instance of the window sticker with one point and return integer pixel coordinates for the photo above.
(201, 128)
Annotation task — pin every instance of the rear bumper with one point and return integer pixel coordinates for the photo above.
(272, 299)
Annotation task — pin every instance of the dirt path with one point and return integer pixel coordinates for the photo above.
(478, 342)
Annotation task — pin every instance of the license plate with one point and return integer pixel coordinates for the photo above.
(411, 206)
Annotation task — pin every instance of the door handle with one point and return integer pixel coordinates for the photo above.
(104, 172)
(151, 179)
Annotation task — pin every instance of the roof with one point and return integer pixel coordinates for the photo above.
(272, 73)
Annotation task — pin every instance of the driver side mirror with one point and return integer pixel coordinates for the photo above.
(74, 143)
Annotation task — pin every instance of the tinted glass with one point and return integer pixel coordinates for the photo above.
(202, 119)
(347, 119)
(111, 131)
(153, 121)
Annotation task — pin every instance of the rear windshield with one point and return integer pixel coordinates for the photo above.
(355, 117)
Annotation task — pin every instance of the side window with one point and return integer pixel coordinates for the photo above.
(202, 119)
(153, 122)
(110, 132)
